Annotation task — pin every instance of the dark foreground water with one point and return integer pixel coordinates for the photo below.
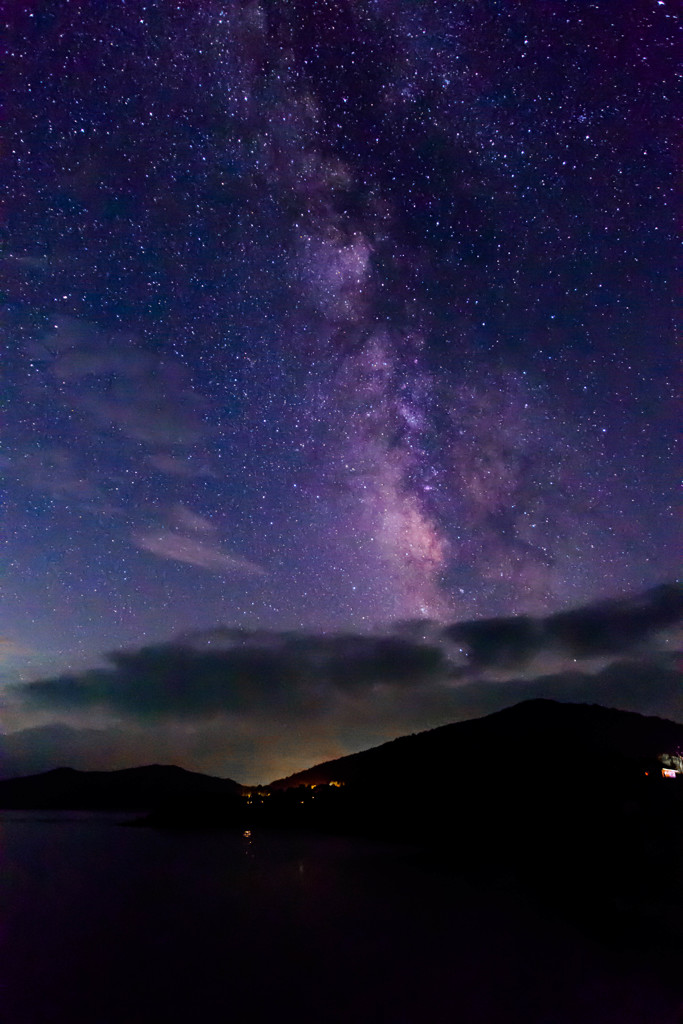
(102, 924)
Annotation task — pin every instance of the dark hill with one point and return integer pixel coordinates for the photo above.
(537, 736)
(566, 799)
(130, 789)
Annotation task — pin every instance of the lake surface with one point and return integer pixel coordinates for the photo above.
(111, 925)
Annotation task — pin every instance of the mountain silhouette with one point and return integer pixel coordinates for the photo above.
(532, 738)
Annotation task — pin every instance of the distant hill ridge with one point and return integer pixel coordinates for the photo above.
(125, 788)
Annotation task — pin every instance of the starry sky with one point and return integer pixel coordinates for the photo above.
(325, 320)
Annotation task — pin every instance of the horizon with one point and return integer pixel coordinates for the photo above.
(322, 764)
(208, 688)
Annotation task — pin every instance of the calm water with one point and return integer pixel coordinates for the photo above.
(110, 925)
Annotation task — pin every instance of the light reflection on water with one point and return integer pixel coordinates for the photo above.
(104, 925)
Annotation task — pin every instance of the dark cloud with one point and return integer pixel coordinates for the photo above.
(252, 673)
(297, 673)
(605, 629)
(506, 643)
(615, 626)
(350, 662)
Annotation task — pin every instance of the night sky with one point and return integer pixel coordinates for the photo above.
(327, 324)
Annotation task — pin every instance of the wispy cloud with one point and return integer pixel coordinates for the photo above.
(205, 553)
(57, 471)
(185, 466)
(185, 519)
(155, 415)
(120, 384)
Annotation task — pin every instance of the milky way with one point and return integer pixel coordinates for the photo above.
(323, 315)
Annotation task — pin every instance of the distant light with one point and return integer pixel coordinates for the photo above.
(669, 773)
